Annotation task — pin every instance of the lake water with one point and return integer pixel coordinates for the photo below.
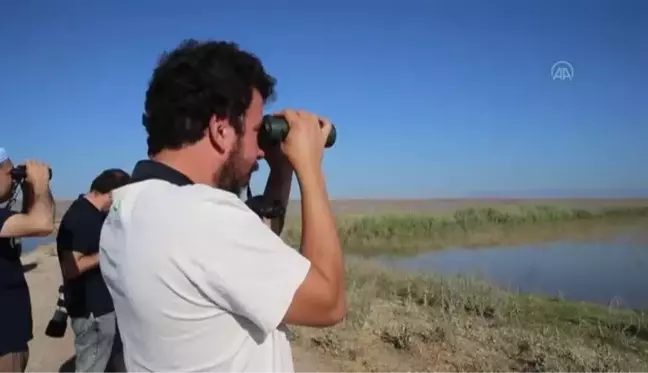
(603, 272)
(597, 272)
(30, 244)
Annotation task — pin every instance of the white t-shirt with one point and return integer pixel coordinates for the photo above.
(198, 281)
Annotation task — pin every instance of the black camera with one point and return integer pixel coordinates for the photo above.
(261, 208)
(274, 129)
(19, 173)
(58, 324)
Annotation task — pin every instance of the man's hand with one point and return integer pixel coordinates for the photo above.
(320, 299)
(37, 176)
(304, 145)
(37, 218)
(74, 263)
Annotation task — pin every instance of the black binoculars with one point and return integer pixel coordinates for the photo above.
(274, 130)
(19, 172)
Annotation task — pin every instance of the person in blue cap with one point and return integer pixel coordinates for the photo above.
(36, 219)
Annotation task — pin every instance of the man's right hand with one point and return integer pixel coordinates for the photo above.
(320, 299)
(304, 145)
(37, 176)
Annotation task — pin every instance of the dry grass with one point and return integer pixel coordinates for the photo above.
(351, 207)
(484, 226)
(342, 207)
(401, 322)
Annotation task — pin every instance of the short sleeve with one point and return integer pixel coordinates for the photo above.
(241, 264)
(74, 235)
(5, 214)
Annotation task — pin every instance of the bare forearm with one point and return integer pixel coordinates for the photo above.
(37, 220)
(77, 264)
(278, 189)
(88, 262)
(40, 205)
(320, 242)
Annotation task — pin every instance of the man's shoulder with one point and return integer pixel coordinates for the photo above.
(79, 215)
(156, 196)
(77, 207)
(204, 194)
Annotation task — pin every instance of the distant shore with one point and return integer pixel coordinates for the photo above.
(410, 233)
(346, 207)
(409, 226)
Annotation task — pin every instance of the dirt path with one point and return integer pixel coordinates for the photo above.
(54, 355)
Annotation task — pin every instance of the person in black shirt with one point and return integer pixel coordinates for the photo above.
(37, 219)
(87, 299)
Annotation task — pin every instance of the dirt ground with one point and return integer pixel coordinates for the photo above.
(56, 355)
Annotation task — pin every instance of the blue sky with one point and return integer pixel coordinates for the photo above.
(431, 98)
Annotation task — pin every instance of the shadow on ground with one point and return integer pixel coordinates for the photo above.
(28, 267)
(68, 365)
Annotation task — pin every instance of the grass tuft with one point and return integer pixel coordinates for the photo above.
(403, 322)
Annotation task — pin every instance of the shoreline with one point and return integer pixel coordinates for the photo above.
(411, 322)
(358, 206)
(408, 234)
(405, 321)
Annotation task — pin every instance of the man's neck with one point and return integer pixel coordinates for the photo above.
(188, 163)
(94, 200)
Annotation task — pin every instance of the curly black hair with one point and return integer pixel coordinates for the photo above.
(196, 81)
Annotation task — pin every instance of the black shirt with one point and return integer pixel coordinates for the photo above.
(79, 231)
(15, 305)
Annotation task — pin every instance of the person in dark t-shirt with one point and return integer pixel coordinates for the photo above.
(36, 219)
(87, 299)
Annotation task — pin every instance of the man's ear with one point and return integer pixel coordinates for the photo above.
(221, 134)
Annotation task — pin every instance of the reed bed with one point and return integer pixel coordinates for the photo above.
(487, 226)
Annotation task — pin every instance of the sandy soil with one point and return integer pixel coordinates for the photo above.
(55, 355)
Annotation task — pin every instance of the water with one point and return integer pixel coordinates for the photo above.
(31, 243)
(597, 272)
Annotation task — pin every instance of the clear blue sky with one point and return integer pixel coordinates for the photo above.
(431, 98)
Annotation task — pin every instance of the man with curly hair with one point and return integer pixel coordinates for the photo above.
(199, 281)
